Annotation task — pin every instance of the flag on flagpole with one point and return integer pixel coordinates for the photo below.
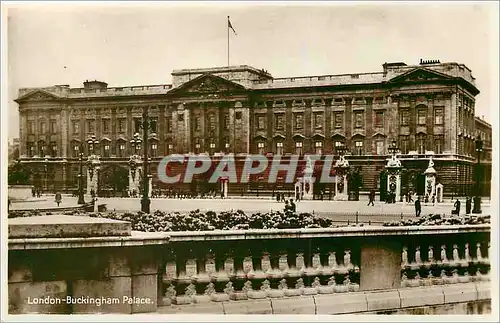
(229, 25)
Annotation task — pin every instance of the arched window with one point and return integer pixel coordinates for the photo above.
(106, 148)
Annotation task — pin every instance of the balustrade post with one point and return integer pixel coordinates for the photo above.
(380, 264)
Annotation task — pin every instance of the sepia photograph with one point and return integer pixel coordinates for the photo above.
(271, 160)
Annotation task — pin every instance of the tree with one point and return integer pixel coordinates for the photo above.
(18, 175)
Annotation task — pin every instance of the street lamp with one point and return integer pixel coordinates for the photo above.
(146, 126)
(477, 198)
(393, 149)
(136, 142)
(92, 141)
(45, 169)
(81, 199)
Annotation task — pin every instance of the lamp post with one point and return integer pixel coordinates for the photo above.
(81, 199)
(393, 149)
(45, 170)
(136, 142)
(92, 142)
(477, 198)
(146, 126)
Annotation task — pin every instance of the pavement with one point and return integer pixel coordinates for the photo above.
(341, 211)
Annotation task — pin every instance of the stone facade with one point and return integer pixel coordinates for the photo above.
(428, 109)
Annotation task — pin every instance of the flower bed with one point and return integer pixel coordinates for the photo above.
(207, 221)
(438, 219)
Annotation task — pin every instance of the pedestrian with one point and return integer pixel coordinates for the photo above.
(33, 192)
(292, 206)
(457, 207)
(278, 197)
(58, 198)
(410, 197)
(287, 207)
(371, 197)
(468, 205)
(418, 207)
(8, 205)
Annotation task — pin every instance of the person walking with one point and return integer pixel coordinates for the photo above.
(468, 205)
(371, 197)
(457, 207)
(418, 207)
(278, 197)
(58, 198)
(292, 206)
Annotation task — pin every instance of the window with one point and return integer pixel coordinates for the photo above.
(91, 126)
(226, 122)
(197, 123)
(121, 149)
(137, 125)
(153, 124)
(197, 146)
(380, 147)
(299, 121)
(169, 148)
(30, 149)
(318, 147)
(404, 144)
(106, 149)
(53, 149)
(41, 149)
(318, 120)
(180, 117)
(358, 147)
(358, 119)
(31, 127)
(121, 125)
(339, 120)
(211, 121)
(298, 147)
(438, 116)
(279, 121)
(405, 117)
(337, 144)
(438, 144)
(106, 125)
(238, 115)
(43, 127)
(76, 150)
(421, 143)
(379, 119)
(421, 117)
(168, 122)
(260, 123)
(279, 148)
(260, 147)
(53, 126)
(154, 149)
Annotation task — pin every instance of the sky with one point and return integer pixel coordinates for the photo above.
(139, 44)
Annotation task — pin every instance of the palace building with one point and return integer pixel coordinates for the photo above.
(427, 109)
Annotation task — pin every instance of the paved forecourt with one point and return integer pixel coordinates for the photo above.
(326, 208)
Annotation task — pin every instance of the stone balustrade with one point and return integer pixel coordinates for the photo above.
(235, 271)
(262, 264)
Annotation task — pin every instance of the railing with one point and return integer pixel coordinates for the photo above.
(332, 271)
(209, 267)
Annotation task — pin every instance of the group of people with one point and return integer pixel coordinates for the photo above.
(36, 192)
(290, 206)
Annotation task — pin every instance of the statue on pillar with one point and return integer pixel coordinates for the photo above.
(93, 167)
(430, 182)
(135, 170)
(393, 168)
(306, 182)
(341, 182)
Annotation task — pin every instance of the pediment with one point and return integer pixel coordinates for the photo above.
(38, 95)
(208, 84)
(420, 74)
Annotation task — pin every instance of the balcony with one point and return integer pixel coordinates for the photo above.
(351, 270)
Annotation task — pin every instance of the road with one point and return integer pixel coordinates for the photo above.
(338, 211)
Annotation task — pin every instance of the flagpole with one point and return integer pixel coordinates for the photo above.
(227, 26)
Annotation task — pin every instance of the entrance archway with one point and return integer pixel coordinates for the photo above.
(113, 181)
